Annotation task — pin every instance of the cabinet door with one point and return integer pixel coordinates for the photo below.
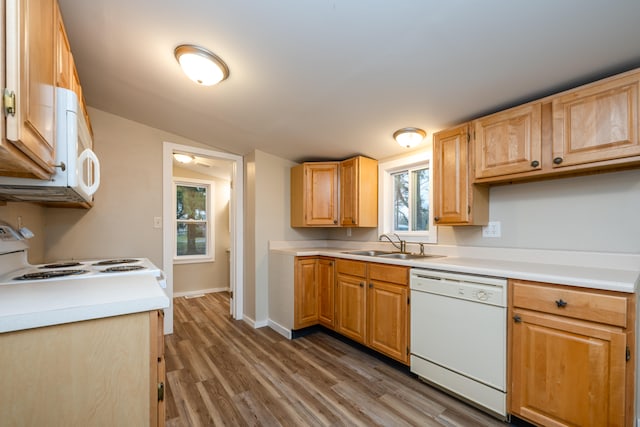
(387, 319)
(158, 369)
(30, 74)
(567, 372)
(64, 61)
(351, 313)
(321, 194)
(326, 292)
(597, 123)
(306, 293)
(349, 194)
(509, 142)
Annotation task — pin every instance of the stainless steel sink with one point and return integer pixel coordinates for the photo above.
(398, 255)
(368, 253)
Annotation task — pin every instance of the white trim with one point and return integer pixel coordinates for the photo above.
(254, 324)
(199, 292)
(209, 256)
(285, 332)
(236, 208)
(385, 189)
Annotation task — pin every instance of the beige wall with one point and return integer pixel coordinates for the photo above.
(121, 222)
(195, 277)
(33, 217)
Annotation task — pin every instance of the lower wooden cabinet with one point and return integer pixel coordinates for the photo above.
(373, 306)
(314, 300)
(106, 371)
(571, 362)
(326, 292)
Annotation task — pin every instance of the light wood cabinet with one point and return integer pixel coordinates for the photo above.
(97, 372)
(457, 201)
(335, 194)
(597, 122)
(306, 292)
(359, 192)
(28, 146)
(373, 306)
(570, 359)
(326, 292)
(314, 194)
(509, 141)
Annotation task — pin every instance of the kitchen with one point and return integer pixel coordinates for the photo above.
(590, 213)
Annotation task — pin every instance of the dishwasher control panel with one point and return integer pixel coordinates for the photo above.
(482, 289)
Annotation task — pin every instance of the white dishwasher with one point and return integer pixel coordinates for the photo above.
(459, 334)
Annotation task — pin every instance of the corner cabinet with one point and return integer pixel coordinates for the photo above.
(457, 201)
(314, 300)
(107, 371)
(335, 194)
(314, 194)
(572, 355)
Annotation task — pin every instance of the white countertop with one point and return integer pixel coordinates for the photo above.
(37, 304)
(613, 279)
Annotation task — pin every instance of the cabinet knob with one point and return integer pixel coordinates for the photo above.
(362, 284)
(370, 285)
(335, 221)
(517, 318)
(557, 160)
(437, 218)
(535, 164)
(561, 303)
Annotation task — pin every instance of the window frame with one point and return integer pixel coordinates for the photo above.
(417, 160)
(209, 255)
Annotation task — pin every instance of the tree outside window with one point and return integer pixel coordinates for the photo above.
(193, 220)
(411, 200)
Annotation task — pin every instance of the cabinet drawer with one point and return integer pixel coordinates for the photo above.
(389, 273)
(595, 306)
(352, 268)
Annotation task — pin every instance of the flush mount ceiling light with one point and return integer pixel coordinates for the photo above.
(183, 158)
(201, 65)
(409, 137)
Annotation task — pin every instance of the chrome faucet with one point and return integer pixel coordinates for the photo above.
(401, 244)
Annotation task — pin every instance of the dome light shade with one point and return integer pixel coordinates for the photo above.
(183, 158)
(201, 65)
(409, 137)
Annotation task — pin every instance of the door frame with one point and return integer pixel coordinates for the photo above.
(236, 215)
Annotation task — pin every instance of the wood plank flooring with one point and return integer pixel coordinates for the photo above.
(222, 372)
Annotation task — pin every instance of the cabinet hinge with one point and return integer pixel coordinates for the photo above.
(231, 294)
(628, 354)
(468, 137)
(468, 209)
(408, 300)
(160, 392)
(407, 351)
(9, 102)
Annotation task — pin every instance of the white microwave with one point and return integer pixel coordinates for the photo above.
(77, 175)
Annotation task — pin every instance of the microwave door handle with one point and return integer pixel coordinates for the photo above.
(89, 155)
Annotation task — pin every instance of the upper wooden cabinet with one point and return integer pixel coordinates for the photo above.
(333, 194)
(596, 123)
(359, 192)
(314, 194)
(580, 342)
(28, 146)
(456, 200)
(509, 142)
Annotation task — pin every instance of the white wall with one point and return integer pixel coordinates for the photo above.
(194, 277)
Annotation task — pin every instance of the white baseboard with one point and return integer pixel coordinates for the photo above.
(254, 324)
(285, 332)
(201, 291)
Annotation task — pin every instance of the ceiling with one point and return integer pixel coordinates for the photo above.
(328, 79)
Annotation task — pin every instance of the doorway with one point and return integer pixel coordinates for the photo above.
(235, 221)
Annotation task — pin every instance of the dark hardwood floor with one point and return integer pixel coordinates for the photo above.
(223, 372)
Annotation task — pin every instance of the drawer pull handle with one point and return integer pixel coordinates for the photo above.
(535, 164)
(557, 160)
(561, 303)
(517, 318)
(362, 284)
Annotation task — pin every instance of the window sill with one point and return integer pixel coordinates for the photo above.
(193, 260)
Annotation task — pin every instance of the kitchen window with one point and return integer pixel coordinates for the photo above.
(405, 198)
(193, 220)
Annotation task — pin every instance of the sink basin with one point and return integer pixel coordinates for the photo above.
(368, 253)
(397, 255)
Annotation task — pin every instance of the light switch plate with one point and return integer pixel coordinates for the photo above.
(157, 222)
(492, 229)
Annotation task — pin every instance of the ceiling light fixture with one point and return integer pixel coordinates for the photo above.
(409, 137)
(183, 158)
(201, 65)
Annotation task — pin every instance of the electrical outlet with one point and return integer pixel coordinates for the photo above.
(492, 229)
(157, 222)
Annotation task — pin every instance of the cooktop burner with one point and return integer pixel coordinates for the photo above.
(61, 265)
(117, 261)
(121, 268)
(41, 275)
